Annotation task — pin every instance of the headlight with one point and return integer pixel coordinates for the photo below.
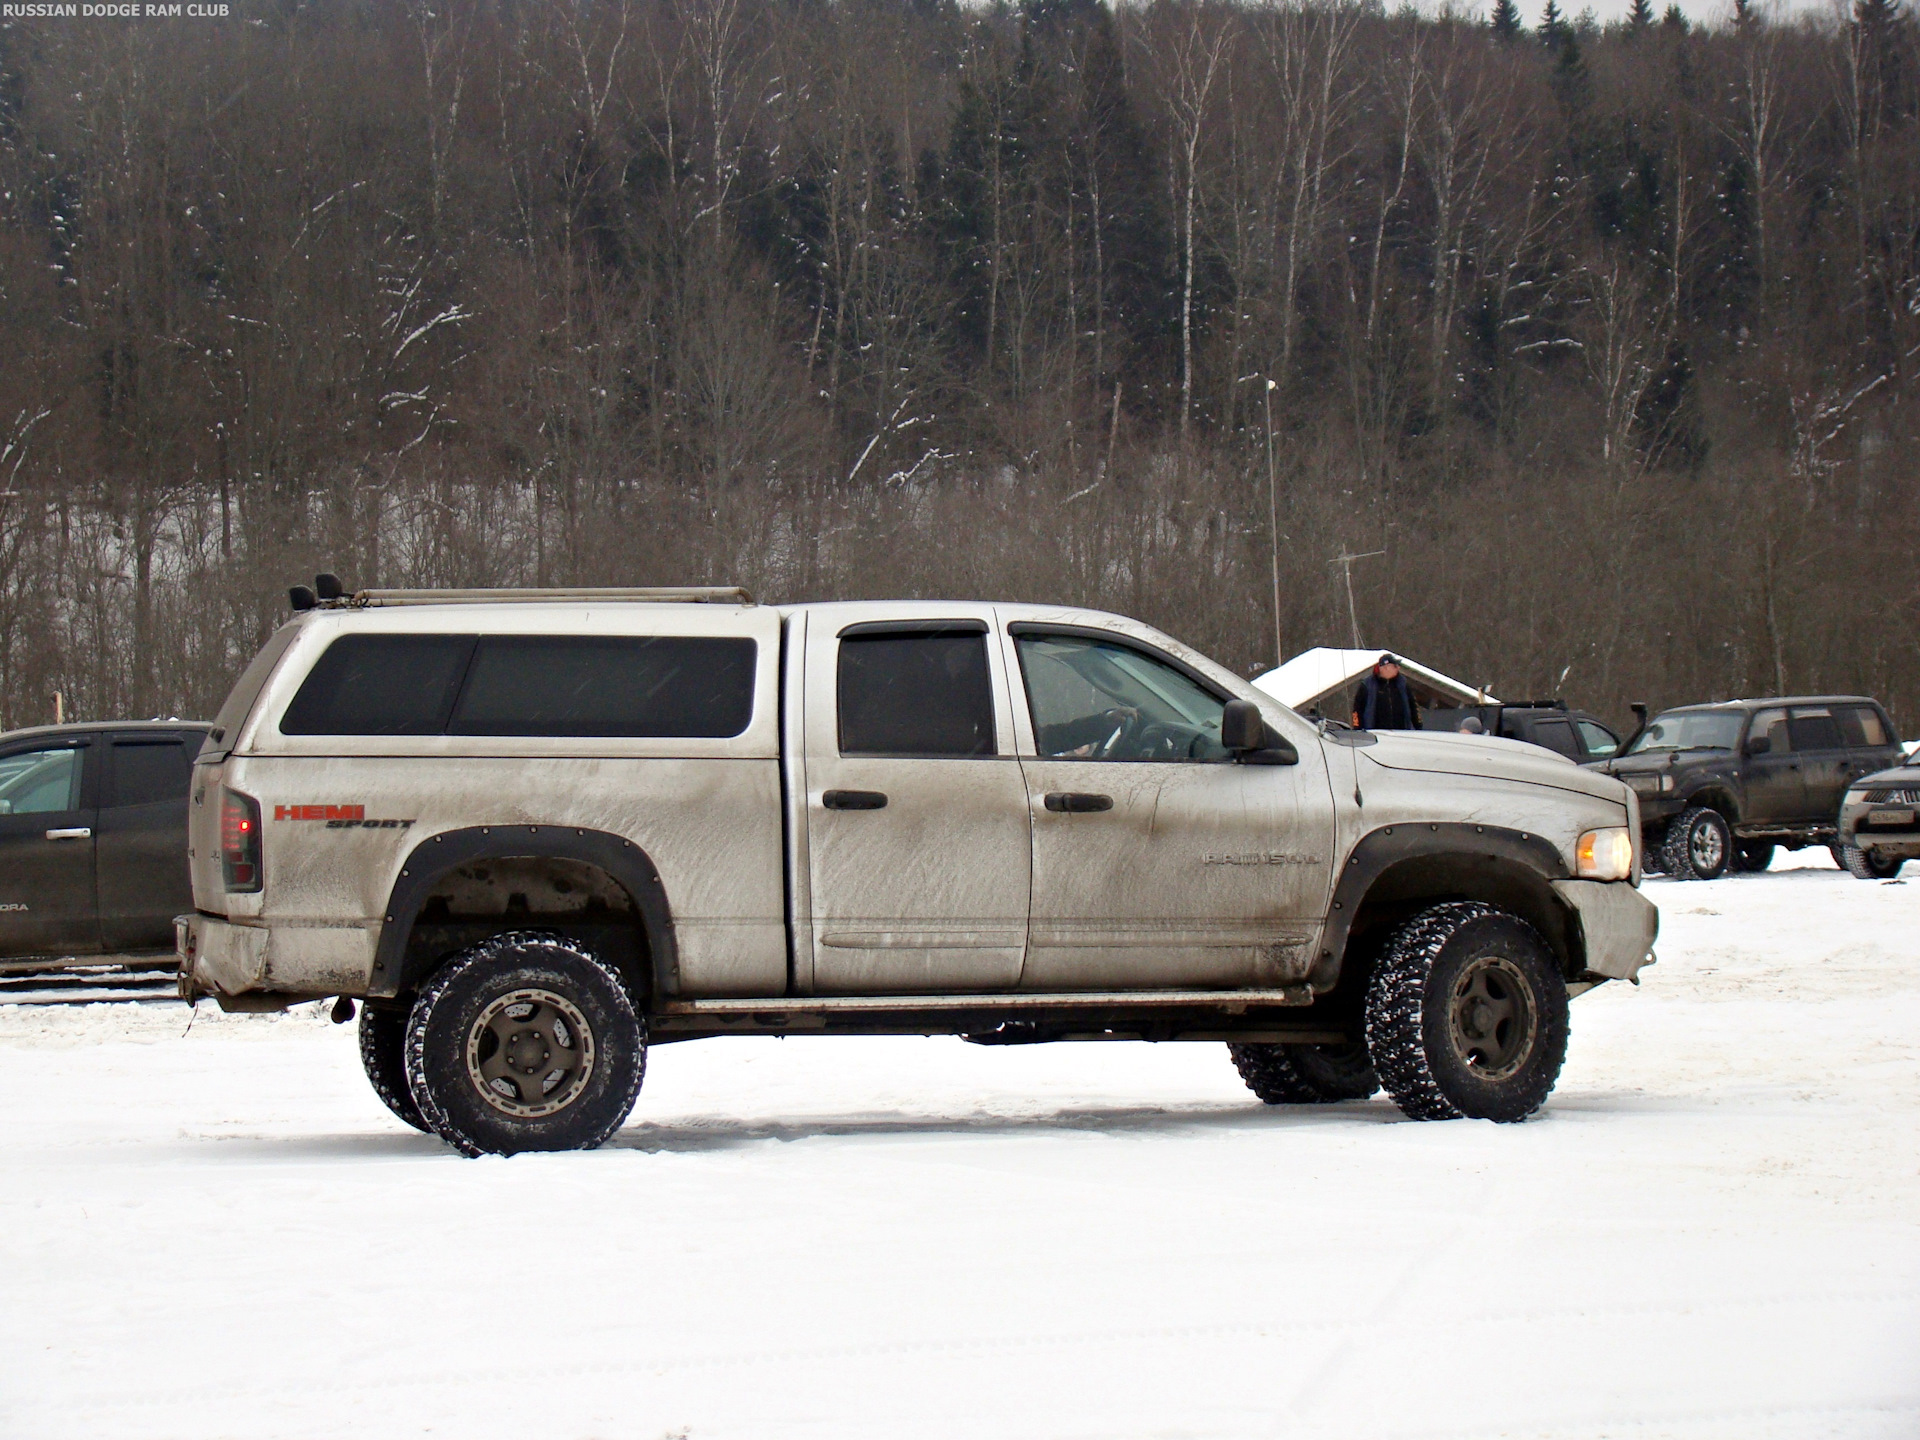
(1604, 854)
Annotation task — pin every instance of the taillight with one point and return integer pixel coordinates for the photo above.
(239, 841)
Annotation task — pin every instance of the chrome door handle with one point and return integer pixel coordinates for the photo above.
(79, 832)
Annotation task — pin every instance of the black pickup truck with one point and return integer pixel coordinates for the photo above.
(93, 837)
(1576, 734)
(1722, 785)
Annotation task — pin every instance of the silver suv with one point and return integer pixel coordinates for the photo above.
(535, 832)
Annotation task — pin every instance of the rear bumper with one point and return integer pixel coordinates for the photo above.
(218, 957)
(1617, 925)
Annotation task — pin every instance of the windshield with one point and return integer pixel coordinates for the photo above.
(1691, 730)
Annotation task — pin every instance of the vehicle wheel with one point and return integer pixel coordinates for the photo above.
(1699, 844)
(1868, 865)
(1653, 851)
(1305, 1074)
(527, 1041)
(1750, 857)
(1467, 1015)
(383, 1044)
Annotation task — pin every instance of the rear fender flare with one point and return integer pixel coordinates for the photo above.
(437, 855)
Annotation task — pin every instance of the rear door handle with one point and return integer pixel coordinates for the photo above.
(854, 800)
(79, 832)
(1070, 802)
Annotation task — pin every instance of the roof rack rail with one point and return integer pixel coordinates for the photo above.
(682, 594)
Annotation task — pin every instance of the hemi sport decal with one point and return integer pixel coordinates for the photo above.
(338, 817)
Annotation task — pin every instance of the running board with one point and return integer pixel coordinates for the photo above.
(1077, 1015)
(1231, 1002)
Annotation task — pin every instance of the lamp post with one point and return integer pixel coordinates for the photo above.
(1273, 525)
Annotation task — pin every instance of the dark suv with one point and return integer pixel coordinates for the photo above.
(1721, 786)
(93, 837)
(1548, 723)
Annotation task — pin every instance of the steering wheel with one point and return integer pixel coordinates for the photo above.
(1124, 723)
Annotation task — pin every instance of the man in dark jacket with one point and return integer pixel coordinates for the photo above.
(1384, 700)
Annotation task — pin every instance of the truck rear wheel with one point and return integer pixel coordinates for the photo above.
(1305, 1074)
(1868, 864)
(1699, 844)
(383, 1045)
(1752, 856)
(527, 1041)
(1467, 1015)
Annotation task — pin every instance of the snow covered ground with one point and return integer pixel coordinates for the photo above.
(1713, 1231)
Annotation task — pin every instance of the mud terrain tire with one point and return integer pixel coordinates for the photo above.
(383, 1043)
(526, 1041)
(1699, 844)
(1305, 1074)
(1750, 857)
(1467, 1015)
(1865, 865)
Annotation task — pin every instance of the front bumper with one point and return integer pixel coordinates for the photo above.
(1617, 925)
(1858, 828)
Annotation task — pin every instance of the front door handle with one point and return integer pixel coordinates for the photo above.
(854, 800)
(79, 832)
(1069, 802)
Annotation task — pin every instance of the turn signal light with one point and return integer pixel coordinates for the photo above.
(1604, 854)
(239, 842)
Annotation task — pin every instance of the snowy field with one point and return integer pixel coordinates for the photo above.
(1713, 1231)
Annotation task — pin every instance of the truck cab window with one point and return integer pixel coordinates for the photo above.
(1100, 700)
(919, 693)
(145, 772)
(1557, 736)
(1601, 742)
(1813, 728)
(40, 782)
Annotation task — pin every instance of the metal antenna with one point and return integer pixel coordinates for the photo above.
(1345, 562)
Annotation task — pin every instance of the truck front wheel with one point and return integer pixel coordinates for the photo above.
(1467, 1015)
(1305, 1074)
(1699, 844)
(527, 1041)
(1868, 864)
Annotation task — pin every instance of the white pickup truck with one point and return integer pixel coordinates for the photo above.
(535, 832)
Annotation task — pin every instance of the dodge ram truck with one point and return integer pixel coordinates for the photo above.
(532, 833)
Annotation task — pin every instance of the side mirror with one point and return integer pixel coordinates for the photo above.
(1241, 726)
(1246, 734)
(1759, 745)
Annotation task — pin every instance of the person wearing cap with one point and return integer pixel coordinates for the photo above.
(1384, 700)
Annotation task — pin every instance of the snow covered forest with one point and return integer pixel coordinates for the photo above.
(1608, 338)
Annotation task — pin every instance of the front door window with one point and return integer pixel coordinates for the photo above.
(1097, 700)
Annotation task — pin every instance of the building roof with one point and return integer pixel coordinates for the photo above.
(1314, 676)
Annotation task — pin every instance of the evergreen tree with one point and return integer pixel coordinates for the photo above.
(1745, 17)
(1640, 16)
(1674, 21)
(1505, 20)
(1553, 25)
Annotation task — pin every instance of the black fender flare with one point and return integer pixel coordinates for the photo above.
(1716, 793)
(1380, 850)
(429, 861)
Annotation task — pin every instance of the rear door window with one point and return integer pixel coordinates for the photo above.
(149, 771)
(1813, 727)
(631, 687)
(1556, 735)
(925, 694)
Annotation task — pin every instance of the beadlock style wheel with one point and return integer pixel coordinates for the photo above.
(530, 1053)
(526, 1041)
(1491, 1018)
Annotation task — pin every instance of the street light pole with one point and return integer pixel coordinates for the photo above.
(1345, 562)
(1273, 527)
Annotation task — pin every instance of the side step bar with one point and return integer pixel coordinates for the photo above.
(1078, 1015)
